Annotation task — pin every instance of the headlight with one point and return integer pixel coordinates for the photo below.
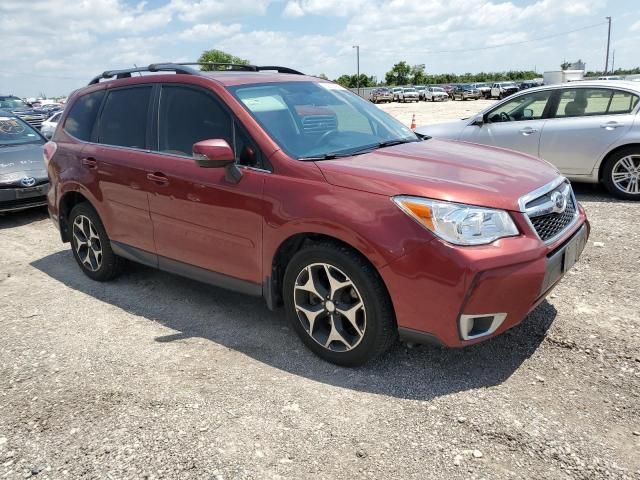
(458, 223)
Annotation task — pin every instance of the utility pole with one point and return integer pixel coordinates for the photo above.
(357, 47)
(613, 61)
(606, 64)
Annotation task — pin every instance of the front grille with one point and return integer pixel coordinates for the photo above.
(33, 119)
(319, 124)
(550, 225)
(547, 219)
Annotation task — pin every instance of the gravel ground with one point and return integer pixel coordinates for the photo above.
(155, 376)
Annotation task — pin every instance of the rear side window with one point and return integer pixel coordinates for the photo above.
(579, 102)
(123, 121)
(82, 116)
(188, 116)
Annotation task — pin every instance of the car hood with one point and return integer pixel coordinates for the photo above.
(449, 130)
(21, 161)
(444, 170)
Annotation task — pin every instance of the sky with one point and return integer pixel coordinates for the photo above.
(56, 46)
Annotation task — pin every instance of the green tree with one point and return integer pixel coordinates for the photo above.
(565, 66)
(351, 81)
(218, 56)
(418, 76)
(323, 76)
(399, 74)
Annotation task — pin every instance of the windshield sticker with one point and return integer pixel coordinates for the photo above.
(11, 127)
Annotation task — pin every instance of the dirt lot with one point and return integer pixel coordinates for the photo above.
(154, 376)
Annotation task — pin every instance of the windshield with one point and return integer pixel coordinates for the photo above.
(16, 132)
(437, 89)
(12, 102)
(315, 119)
(409, 89)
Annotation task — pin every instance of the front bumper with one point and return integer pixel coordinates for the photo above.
(438, 288)
(14, 199)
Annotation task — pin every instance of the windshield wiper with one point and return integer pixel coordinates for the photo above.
(325, 156)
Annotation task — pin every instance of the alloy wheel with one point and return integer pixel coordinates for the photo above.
(626, 174)
(86, 243)
(329, 307)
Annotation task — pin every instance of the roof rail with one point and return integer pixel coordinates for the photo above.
(184, 68)
(246, 67)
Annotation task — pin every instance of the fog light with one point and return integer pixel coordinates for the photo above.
(475, 326)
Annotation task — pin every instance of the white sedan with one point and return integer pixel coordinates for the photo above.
(589, 130)
(435, 94)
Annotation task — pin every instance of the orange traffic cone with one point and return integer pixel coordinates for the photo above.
(413, 122)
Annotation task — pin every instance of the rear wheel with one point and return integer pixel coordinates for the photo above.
(91, 246)
(621, 174)
(338, 305)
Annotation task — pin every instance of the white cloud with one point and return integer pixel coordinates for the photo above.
(293, 9)
(199, 11)
(204, 31)
(635, 27)
(337, 8)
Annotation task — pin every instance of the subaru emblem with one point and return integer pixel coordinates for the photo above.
(28, 182)
(559, 202)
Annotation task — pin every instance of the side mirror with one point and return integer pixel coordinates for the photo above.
(217, 154)
(478, 121)
(213, 153)
(527, 114)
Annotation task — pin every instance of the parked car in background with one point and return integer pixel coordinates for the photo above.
(483, 88)
(501, 90)
(17, 106)
(528, 84)
(379, 95)
(23, 176)
(610, 77)
(466, 92)
(408, 94)
(179, 172)
(50, 124)
(421, 91)
(435, 94)
(449, 89)
(589, 130)
(395, 94)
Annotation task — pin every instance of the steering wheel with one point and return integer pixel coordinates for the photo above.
(504, 117)
(326, 135)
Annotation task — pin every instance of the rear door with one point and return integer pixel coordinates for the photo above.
(516, 123)
(201, 218)
(586, 121)
(120, 158)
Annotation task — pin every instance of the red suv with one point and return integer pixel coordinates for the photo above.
(289, 187)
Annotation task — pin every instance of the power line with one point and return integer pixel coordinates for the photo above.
(489, 47)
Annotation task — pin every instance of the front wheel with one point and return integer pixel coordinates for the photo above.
(338, 305)
(91, 246)
(621, 174)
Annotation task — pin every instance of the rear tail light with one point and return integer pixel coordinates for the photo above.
(49, 151)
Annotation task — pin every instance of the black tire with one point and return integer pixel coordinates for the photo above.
(608, 169)
(110, 264)
(380, 330)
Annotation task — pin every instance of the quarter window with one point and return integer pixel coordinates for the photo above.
(123, 121)
(82, 115)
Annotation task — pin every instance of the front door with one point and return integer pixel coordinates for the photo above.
(201, 218)
(586, 122)
(515, 124)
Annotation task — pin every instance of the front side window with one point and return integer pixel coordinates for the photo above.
(14, 131)
(581, 102)
(82, 116)
(317, 119)
(524, 107)
(188, 116)
(123, 121)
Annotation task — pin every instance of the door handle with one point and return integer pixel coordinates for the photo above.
(528, 131)
(89, 162)
(158, 177)
(611, 125)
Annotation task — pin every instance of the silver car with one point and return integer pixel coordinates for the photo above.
(589, 130)
(50, 124)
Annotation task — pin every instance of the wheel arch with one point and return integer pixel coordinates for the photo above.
(612, 152)
(69, 200)
(285, 252)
